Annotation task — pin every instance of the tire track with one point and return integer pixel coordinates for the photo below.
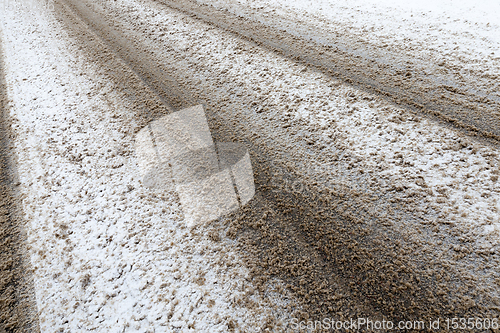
(17, 298)
(324, 243)
(224, 130)
(461, 104)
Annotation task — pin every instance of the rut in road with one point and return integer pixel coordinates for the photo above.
(17, 298)
(324, 242)
(467, 104)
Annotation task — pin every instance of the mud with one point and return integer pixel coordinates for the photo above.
(17, 298)
(344, 250)
(459, 98)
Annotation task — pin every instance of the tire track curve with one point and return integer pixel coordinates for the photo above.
(323, 241)
(468, 104)
(17, 297)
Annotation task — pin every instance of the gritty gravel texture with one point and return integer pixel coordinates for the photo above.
(363, 208)
(428, 56)
(107, 253)
(17, 304)
(394, 194)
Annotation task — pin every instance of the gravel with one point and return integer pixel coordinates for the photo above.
(363, 207)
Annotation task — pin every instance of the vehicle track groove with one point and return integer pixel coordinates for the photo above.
(344, 229)
(474, 111)
(17, 297)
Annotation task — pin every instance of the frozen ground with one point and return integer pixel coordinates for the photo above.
(107, 253)
(405, 151)
(446, 29)
(111, 255)
(444, 56)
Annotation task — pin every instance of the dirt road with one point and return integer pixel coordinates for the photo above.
(303, 232)
(346, 214)
(402, 72)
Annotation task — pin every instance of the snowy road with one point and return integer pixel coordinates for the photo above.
(366, 205)
(440, 58)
